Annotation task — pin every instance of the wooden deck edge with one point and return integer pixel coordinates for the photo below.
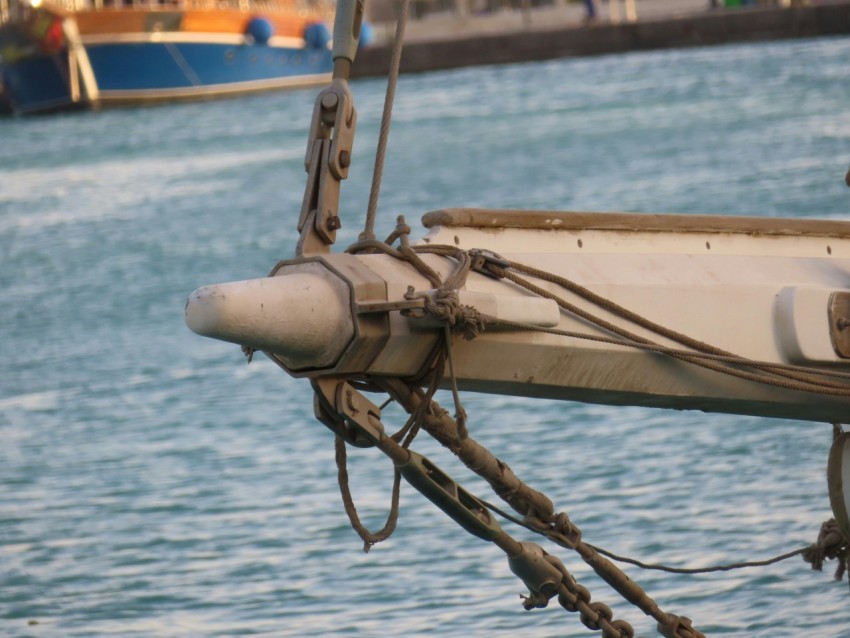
(638, 222)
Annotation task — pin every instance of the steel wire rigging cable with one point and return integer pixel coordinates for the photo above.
(386, 117)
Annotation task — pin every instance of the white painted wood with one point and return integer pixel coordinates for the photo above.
(759, 295)
(303, 315)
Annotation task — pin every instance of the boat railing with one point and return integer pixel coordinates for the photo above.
(14, 10)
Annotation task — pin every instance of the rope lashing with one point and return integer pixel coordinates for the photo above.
(790, 377)
(445, 306)
(831, 544)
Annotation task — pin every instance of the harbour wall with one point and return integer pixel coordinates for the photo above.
(712, 27)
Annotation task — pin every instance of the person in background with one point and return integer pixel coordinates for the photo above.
(590, 7)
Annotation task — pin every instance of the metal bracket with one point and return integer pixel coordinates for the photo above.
(839, 323)
(390, 306)
(347, 413)
(351, 415)
(838, 480)
(358, 411)
(483, 260)
(329, 147)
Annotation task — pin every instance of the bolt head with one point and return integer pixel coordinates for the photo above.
(330, 100)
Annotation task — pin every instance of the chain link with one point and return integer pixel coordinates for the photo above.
(537, 508)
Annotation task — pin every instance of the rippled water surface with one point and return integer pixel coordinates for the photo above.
(153, 484)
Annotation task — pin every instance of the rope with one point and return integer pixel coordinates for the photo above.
(702, 570)
(697, 358)
(798, 378)
(831, 544)
(637, 319)
(654, 566)
(460, 413)
(386, 116)
(538, 511)
(369, 538)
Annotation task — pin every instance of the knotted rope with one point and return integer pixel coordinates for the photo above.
(831, 544)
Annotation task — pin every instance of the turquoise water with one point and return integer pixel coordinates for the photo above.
(153, 484)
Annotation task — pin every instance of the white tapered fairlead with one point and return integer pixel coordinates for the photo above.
(304, 316)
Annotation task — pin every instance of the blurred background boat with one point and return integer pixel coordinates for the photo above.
(65, 54)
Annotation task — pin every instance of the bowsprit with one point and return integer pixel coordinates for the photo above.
(721, 314)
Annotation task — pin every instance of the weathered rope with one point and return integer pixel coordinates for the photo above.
(637, 319)
(831, 544)
(656, 566)
(701, 359)
(369, 538)
(804, 382)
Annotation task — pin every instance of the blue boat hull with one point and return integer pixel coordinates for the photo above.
(37, 84)
(144, 72)
(139, 72)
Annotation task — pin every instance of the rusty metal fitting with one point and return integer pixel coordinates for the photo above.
(342, 412)
(559, 529)
(577, 594)
(601, 614)
(619, 629)
(678, 627)
(439, 488)
(487, 262)
(540, 576)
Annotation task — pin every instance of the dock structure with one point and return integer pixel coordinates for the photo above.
(455, 37)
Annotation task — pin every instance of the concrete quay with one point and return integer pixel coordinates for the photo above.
(448, 41)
